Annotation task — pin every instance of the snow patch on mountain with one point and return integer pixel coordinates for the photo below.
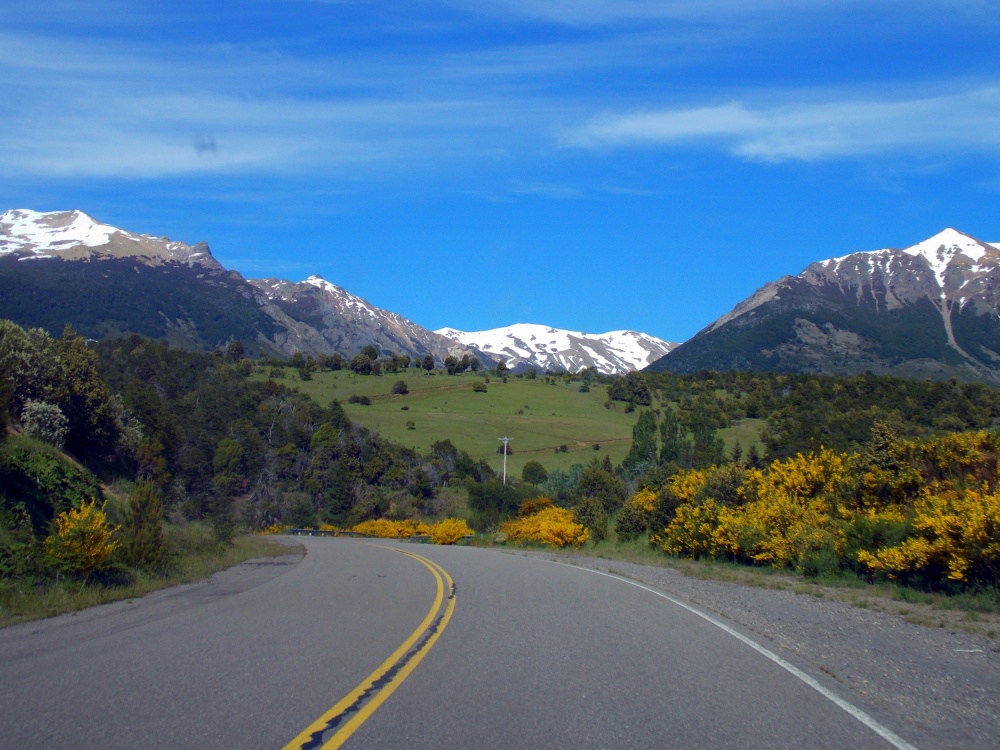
(73, 235)
(24, 229)
(526, 345)
(939, 252)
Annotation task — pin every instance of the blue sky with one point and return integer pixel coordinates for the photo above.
(587, 164)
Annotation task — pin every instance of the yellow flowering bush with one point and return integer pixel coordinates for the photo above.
(84, 540)
(635, 515)
(274, 528)
(449, 531)
(791, 514)
(383, 528)
(692, 532)
(956, 535)
(552, 526)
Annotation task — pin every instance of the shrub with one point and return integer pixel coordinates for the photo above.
(635, 515)
(383, 528)
(362, 400)
(44, 421)
(479, 387)
(400, 388)
(956, 537)
(591, 513)
(552, 526)
(449, 531)
(533, 505)
(144, 541)
(84, 540)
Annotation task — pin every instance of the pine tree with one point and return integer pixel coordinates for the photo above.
(642, 457)
(671, 438)
(145, 543)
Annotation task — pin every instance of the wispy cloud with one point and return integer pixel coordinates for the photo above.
(809, 130)
(549, 190)
(588, 13)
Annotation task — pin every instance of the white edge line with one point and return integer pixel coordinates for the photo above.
(884, 732)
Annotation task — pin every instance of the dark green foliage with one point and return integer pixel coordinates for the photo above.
(643, 455)
(362, 364)
(631, 388)
(592, 513)
(491, 501)
(400, 388)
(143, 542)
(37, 479)
(479, 387)
(596, 481)
(21, 551)
(630, 522)
(116, 296)
(806, 411)
(420, 485)
(534, 473)
(664, 511)
(361, 400)
(427, 363)
(706, 448)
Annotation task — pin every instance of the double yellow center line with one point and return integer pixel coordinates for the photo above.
(353, 709)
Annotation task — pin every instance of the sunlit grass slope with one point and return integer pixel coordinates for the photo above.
(539, 416)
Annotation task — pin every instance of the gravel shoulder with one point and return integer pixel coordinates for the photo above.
(935, 672)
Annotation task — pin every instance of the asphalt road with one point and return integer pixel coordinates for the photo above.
(534, 655)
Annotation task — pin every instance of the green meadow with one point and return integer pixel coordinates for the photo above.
(539, 417)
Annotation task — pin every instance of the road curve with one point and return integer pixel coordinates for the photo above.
(534, 654)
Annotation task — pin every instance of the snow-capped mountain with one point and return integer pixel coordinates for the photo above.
(347, 322)
(66, 267)
(929, 310)
(526, 345)
(73, 235)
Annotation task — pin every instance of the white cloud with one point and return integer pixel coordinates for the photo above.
(809, 130)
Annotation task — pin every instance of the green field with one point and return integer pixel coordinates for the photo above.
(540, 417)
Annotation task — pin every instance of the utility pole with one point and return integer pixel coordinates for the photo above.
(505, 441)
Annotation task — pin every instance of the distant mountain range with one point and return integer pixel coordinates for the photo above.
(66, 267)
(930, 310)
(525, 345)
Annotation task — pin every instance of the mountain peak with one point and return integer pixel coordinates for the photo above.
(526, 345)
(22, 228)
(942, 248)
(74, 235)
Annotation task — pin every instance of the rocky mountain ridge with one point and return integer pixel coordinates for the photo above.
(66, 267)
(929, 310)
(526, 345)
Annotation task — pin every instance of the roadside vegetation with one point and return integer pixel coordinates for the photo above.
(123, 461)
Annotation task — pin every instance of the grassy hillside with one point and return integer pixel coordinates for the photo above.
(539, 416)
